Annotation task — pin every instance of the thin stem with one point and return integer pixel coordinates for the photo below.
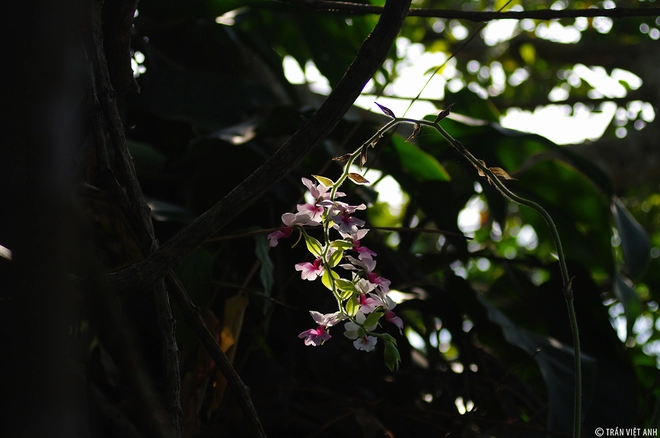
(356, 9)
(507, 193)
(194, 318)
(568, 292)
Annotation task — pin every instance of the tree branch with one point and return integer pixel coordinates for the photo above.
(130, 197)
(348, 8)
(195, 320)
(117, 24)
(369, 58)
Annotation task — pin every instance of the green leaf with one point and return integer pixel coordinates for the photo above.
(327, 182)
(352, 306)
(145, 156)
(635, 243)
(345, 294)
(417, 163)
(632, 305)
(372, 319)
(345, 286)
(341, 244)
(392, 357)
(335, 258)
(528, 53)
(327, 280)
(555, 360)
(580, 212)
(388, 338)
(313, 245)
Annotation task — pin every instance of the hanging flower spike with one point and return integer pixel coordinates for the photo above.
(361, 298)
(310, 271)
(315, 337)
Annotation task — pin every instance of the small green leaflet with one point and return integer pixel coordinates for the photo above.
(313, 245)
(335, 258)
(341, 244)
(372, 319)
(327, 280)
(326, 182)
(392, 357)
(352, 306)
(345, 286)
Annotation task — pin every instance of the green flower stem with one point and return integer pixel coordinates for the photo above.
(492, 178)
(568, 292)
(326, 228)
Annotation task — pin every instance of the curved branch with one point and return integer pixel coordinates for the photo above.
(348, 8)
(126, 188)
(194, 318)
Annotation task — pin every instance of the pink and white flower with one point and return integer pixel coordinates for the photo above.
(319, 335)
(381, 282)
(367, 303)
(354, 330)
(328, 319)
(310, 271)
(318, 191)
(279, 234)
(315, 337)
(367, 265)
(391, 317)
(314, 211)
(363, 251)
(363, 286)
(290, 220)
(365, 343)
(340, 213)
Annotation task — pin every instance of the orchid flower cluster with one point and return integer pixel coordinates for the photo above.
(362, 297)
